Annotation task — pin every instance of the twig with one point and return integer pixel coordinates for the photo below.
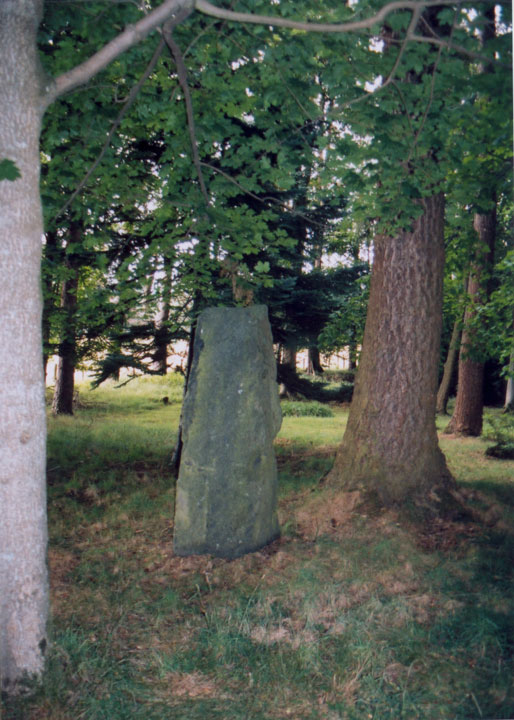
(432, 86)
(410, 32)
(427, 109)
(402, 99)
(182, 78)
(264, 200)
(130, 100)
(458, 48)
(81, 74)
(390, 78)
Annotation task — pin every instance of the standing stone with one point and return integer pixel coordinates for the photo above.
(227, 484)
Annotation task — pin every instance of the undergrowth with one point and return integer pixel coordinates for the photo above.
(348, 615)
(305, 409)
(500, 429)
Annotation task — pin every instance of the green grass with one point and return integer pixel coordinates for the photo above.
(365, 620)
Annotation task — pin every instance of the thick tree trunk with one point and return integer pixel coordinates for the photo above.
(23, 534)
(390, 450)
(65, 382)
(290, 356)
(315, 367)
(469, 403)
(443, 393)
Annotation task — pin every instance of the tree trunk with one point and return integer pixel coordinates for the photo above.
(161, 333)
(315, 367)
(290, 356)
(177, 452)
(390, 450)
(23, 533)
(469, 404)
(51, 254)
(443, 393)
(65, 383)
(352, 356)
(509, 391)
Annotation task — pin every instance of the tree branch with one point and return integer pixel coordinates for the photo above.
(208, 9)
(125, 40)
(128, 103)
(269, 201)
(457, 48)
(432, 86)
(182, 78)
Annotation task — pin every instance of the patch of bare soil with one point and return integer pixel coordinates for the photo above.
(193, 685)
(325, 513)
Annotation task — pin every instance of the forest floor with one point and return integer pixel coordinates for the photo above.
(349, 615)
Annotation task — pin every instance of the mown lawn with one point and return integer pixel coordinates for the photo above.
(349, 615)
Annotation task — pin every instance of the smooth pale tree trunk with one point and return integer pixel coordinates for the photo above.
(443, 394)
(23, 534)
(469, 403)
(62, 403)
(24, 94)
(390, 450)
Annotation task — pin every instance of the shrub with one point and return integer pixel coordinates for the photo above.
(500, 429)
(303, 409)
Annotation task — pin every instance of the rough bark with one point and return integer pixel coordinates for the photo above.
(62, 403)
(469, 403)
(390, 449)
(443, 394)
(23, 535)
(290, 356)
(315, 367)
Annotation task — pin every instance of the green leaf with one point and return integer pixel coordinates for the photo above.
(262, 267)
(9, 170)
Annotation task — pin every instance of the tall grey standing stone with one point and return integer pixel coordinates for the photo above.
(227, 485)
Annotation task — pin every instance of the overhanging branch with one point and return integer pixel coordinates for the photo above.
(221, 13)
(133, 34)
(130, 36)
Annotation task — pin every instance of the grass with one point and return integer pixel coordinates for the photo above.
(346, 616)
